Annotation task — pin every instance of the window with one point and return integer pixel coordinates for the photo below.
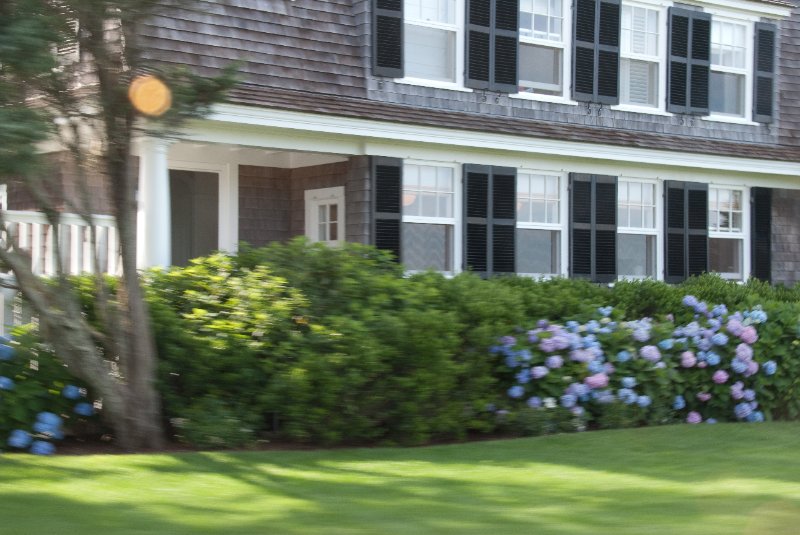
(726, 232)
(639, 51)
(541, 47)
(539, 224)
(637, 234)
(432, 39)
(325, 215)
(428, 222)
(728, 78)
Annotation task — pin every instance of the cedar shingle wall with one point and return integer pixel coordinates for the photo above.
(272, 200)
(264, 201)
(785, 232)
(59, 170)
(789, 80)
(309, 45)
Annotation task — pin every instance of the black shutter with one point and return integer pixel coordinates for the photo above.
(387, 190)
(506, 46)
(492, 45)
(593, 227)
(504, 219)
(761, 233)
(596, 27)
(689, 61)
(479, 44)
(686, 230)
(764, 67)
(490, 219)
(387, 38)
(696, 228)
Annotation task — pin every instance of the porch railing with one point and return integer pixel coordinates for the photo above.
(32, 232)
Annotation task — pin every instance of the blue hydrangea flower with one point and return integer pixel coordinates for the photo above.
(44, 429)
(769, 367)
(534, 402)
(627, 396)
(40, 447)
(523, 376)
(71, 392)
(711, 421)
(689, 301)
(595, 367)
(568, 401)
(605, 311)
(19, 439)
(703, 344)
(592, 326)
(679, 403)
(641, 335)
(629, 382)
(6, 352)
(738, 366)
(643, 401)
(749, 394)
(719, 339)
(719, 310)
(511, 361)
(713, 359)
(515, 392)
(623, 356)
(666, 344)
(742, 410)
(755, 416)
(6, 383)
(48, 418)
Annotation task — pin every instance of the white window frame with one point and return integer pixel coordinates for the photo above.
(314, 198)
(561, 226)
(458, 28)
(566, 52)
(743, 234)
(565, 45)
(747, 71)
(660, 58)
(456, 220)
(657, 230)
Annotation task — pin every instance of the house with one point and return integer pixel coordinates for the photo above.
(601, 139)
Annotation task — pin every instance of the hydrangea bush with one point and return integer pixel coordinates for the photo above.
(38, 396)
(707, 369)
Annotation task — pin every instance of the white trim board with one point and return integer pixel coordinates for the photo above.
(293, 130)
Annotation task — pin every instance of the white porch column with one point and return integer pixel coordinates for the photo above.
(154, 225)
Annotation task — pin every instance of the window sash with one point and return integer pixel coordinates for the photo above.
(551, 15)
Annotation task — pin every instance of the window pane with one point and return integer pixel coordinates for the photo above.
(538, 212)
(427, 246)
(636, 256)
(442, 11)
(333, 210)
(639, 82)
(428, 205)
(334, 231)
(429, 53)
(538, 251)
(322, 213)
(636, 216)
(727, 93)
(725, 256)
(540, 69)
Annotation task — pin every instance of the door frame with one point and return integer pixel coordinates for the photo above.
(228, 209)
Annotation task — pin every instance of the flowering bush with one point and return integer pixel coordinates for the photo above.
(704, 370)
(38, 396)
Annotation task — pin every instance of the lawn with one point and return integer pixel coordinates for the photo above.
(742, 479)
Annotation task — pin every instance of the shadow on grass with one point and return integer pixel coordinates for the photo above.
(669, 480)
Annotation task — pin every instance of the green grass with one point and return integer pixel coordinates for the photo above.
(722, 479)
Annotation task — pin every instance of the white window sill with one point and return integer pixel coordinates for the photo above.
(640, 109)
(555, 99)
(728, 119)
(433, 83)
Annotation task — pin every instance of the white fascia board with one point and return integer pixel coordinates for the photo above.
(759, 9)
(230, 122)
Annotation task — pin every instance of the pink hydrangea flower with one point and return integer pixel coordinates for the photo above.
(703, 396)
(702, 364)
(598, 380)
(609, 368)
(720, 377)
(694, 418)
(744, 352)
(688, 359)
(752, 368)
(749, 335)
